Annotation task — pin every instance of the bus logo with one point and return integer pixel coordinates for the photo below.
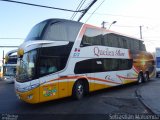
(106, 52)
(76, 52)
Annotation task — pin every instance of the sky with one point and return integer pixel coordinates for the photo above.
(16, 20)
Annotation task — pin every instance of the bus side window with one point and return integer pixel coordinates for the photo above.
(85, 41)
(52, 69)
(48, 65)
(92, 36)
(43, 67)
(43, 70)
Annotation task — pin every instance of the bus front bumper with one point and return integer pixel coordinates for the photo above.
(31, 96)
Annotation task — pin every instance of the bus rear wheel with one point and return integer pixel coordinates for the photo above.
(140, 78)
(78, 90)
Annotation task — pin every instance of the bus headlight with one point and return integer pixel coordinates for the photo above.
(30, 96)
(34, 86)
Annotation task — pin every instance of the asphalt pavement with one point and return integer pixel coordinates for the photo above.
(115, 100)
(150, 95)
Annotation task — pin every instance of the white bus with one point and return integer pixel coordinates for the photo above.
(9, 68)
(61, 58)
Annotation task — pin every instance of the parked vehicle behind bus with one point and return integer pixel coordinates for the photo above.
(1, 72)
(61, 58)
(9, 68)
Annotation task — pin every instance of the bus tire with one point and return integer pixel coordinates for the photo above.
(146, 76)
(140, 78)
(78, 90)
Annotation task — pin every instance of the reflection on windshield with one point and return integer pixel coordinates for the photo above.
(48, 65)
(36, 31)
(9, 70)
(26, 66)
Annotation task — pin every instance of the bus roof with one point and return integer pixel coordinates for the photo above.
(109, 31)
(78, 25)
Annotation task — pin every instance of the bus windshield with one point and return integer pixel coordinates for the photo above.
(55, 30)
(36, 32)
(26, 66)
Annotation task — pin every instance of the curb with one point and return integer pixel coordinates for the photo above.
(147, 106)
(140, 98)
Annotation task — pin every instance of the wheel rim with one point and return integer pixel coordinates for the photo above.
(140, 79)
(80, 90)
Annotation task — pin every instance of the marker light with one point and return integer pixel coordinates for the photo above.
(20, 52)
(6, 58)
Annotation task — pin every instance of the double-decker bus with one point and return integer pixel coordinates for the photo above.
(9, 68)
(61, 58)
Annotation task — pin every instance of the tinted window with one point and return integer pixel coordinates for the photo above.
(48, 65)
(95, 36)
(53, 59)
(92, 36)
(12, 60)
(85, 66)
(56, 30)
(117, 64)
(111, 40)
(114, 40)
(63, 50)
(102, 65)
(62, 31)
(142, 46)
(36, 31)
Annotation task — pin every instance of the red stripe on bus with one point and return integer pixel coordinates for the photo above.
(82, 77)
(126, 77)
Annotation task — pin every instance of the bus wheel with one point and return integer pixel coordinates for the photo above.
(146, 77)
(140, 79)
(78, 90)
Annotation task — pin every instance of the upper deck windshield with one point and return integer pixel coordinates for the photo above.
(36, 31)
(56, 30)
